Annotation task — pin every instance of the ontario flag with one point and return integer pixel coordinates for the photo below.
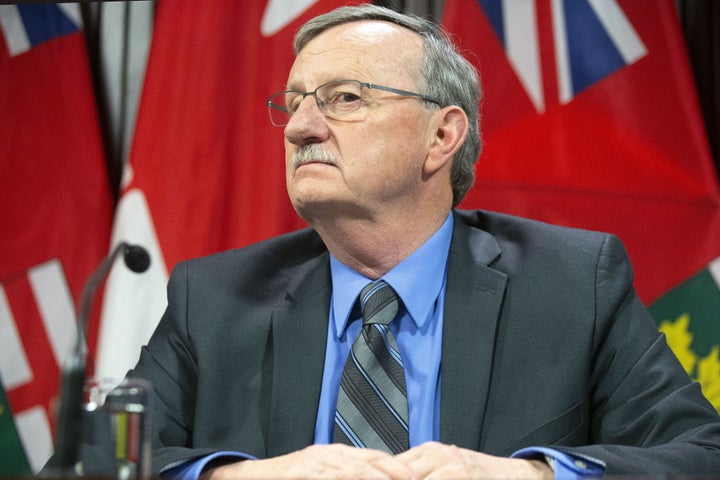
(55, 216)
(206, 170)
(591, 120)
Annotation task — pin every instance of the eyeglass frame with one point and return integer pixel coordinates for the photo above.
(322, 106)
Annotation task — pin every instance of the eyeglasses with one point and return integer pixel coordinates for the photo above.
(339, 99)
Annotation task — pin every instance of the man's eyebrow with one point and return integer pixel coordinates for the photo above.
(294, 87)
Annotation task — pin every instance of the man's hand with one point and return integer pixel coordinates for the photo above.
(430, 460)
(317, 462)
(434, 460)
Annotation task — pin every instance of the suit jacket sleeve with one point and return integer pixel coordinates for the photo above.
(647, 417)
(170, 362)
(228, 370)
(546, 344)
(208, 362)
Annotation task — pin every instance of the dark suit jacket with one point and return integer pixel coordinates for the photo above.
(545, 343)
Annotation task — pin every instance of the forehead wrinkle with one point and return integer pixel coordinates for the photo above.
(334, 63)
(366, 50)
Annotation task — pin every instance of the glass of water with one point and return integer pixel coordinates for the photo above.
(116, 436)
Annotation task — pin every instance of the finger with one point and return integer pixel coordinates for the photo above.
(396, 469)
(423, 459)
(424, 450)
(428, 454)
(331, 462)
(456, 472)
(361, 454)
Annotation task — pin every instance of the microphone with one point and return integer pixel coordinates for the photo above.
(74, 369)
(136, 258)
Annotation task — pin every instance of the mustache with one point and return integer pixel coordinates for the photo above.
(311, 153)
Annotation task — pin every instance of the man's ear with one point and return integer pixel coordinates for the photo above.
(449, 129)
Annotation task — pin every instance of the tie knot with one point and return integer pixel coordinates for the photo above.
(379, 303)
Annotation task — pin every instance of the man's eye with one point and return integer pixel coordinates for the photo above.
(293, 103)
(340, 98)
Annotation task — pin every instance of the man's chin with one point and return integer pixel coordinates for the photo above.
(323, 208)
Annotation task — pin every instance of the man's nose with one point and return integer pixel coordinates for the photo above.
(307, 124)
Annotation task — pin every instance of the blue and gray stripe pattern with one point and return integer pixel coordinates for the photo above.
(372, 409)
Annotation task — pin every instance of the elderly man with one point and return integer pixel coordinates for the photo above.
(445, 344)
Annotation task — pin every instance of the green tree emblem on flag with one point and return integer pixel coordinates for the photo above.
(689, 316)
(704, 370)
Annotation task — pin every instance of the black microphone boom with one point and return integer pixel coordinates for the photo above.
(74, 370)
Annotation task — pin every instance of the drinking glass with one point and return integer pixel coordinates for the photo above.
(116, 429)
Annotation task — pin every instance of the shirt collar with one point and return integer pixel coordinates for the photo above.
(417, 280)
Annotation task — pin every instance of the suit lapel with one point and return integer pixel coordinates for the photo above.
(299, 330)
(472, 306)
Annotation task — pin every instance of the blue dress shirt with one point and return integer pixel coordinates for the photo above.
(419, 281)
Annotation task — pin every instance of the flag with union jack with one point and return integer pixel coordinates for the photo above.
(591, 120)
(55, 215)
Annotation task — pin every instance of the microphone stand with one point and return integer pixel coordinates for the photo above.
(74, 369)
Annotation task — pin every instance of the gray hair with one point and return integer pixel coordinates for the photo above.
(446, 75)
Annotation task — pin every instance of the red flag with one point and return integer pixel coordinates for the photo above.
(590, 119)
(56, 208)
(207, 166)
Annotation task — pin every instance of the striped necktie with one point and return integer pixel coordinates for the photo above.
(372, 408)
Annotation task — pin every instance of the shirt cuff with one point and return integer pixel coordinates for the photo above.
(191, 469)
(566, 466)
